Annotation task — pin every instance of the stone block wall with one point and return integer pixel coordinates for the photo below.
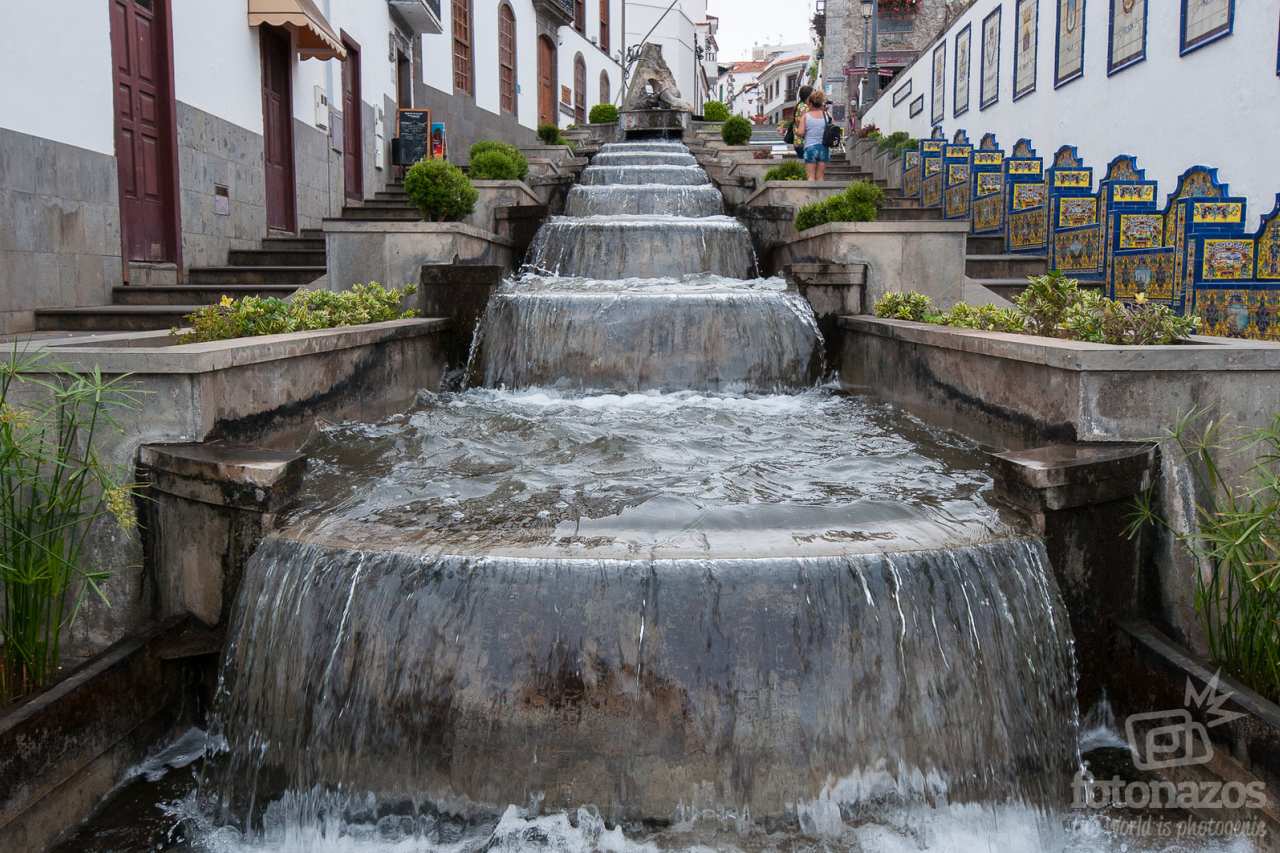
(318, 173)
(214, 152)
(59, 227)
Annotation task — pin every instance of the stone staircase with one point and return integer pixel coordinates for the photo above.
(1003, 274)
(277, 268)
(389, 205)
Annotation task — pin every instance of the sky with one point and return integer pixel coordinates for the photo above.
(743, 23)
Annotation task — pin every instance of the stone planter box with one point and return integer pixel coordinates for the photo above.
(795, 194)
(1020, 391)
(266, 391)
(393, 253)
(495, 195)
(887, 167)
(925, 256)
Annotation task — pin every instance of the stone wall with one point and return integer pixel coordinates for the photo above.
(59, 227)
(213, 152)
(466, 123)
(318, 173)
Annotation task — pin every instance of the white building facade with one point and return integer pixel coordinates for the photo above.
(676, 30)
(779, 83)
(139, 138)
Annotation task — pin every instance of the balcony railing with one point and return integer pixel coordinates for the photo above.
(423, 16)
(559, 11)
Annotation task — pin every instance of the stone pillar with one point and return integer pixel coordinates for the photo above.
(208, 507)
(1079, 498)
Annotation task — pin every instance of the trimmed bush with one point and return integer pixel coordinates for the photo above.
(859, 203)
(507, 149)
(550, 134)
(305, 310)
(603, 114)
(715, 111)
(893, 141)
(440, 190)
(736, 131)
(791, 170)
(494, 166)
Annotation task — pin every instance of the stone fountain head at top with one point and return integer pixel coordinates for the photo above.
(654, 106)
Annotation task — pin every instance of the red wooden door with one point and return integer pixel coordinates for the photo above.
(143, 124)
(277, 125)
(546, 81)
(352, 130)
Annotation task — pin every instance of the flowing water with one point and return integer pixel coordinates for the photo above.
(651, 587)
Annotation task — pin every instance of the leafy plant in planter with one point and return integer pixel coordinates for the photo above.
(859, 203)
(603, 114)
(715, 111)
(736, 131)
(550, 135)
(904, 305)
(306, 310)
(868, 131)
(53, 489)
(509, 165)
(440, 190)
(792, 170)
(893, 141)
(1238, 540)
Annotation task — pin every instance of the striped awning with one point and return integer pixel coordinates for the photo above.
(313, 36)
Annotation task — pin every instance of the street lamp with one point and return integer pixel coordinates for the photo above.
(871, 16)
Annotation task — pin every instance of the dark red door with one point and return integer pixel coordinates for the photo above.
(144, 141)
(579, 90)
(277, 127)
(546, 81)
(352, 132)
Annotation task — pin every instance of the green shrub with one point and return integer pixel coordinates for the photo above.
(306, 310)
(515, 154)
(550, 135)
(859, 203)
(893, 141)
(440, 190)
(55, 487)
(1045, 301)
(494, 166)
(792, 170)
(1237, 537)
(736, 131)
(715, 111)
(908, 144)
(603, 114)
(987, 318)
(900, 305)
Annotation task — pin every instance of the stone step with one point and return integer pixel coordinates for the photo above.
(986, 245)
(294, 244)
(393, 214)
(195, 294)
(908, 214)
(311, 234)
(255, 275)
(275, 257)
(1005, 266)
(112, 318)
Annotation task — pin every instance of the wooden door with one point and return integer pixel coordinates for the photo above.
(144, 129)
(352, 129)
(277, 127)
(506, 59)
(546, 81)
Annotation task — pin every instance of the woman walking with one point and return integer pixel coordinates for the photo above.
(812, 126)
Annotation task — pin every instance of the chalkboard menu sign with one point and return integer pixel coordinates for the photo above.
(413, 131)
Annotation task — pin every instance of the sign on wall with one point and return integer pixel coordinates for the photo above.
(1127, 44)
(990, 60)
(938, 107)
(904, 92)
(1024, 59)
(960, 97)
(1204, 21)
(412, 130)
(1069, 55)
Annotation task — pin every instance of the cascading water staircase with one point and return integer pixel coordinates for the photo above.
(651, 578)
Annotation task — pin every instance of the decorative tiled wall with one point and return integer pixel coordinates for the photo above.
(1191, 253)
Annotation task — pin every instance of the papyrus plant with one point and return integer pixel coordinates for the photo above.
(53, 489)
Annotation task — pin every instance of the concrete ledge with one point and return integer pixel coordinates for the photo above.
(143, 353)
(1203, 353)
(794, 193)
(393, 252)
(927, 256)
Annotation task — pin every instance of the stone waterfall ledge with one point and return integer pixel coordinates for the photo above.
(496, 195)
(267, 391)
(928, 256)
(393, 253)
(1020, 391)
